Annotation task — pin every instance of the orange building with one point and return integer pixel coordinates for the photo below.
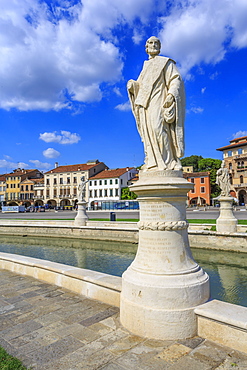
(200, 195)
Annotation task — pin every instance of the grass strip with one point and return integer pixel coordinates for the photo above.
(8, 362)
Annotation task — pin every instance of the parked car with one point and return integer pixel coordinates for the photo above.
(30, 209)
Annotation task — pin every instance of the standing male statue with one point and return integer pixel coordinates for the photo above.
(158, 103)
(223, 180)
(82, 189)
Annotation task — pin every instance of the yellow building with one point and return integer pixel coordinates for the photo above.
(2, 189)
(235, 157)
(13, 180)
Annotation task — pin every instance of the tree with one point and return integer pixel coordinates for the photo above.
(126, 194)
(192, 161)
(211, 165)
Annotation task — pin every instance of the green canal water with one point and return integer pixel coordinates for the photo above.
(227, 270)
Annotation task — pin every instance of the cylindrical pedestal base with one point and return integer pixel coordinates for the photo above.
(81, 217)
(163, 284)
(162, 307)
(227, 222)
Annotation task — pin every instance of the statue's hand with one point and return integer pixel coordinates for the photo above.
(130, 85)
(169, 101)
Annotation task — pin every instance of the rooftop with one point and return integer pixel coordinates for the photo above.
(240, 141)
(106, 174)
(74, 167)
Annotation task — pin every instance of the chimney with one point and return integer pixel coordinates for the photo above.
(56, 164)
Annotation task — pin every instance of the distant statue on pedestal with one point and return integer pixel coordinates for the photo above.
(158, 103)
(223, 180)
(81, 217)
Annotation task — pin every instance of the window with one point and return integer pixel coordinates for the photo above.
(26, 187)
(31, 187)
(116, 192)
(192, 180)
(47, 193)
(55, 181)
(22, 187)
(240, 151)
(95, 193)
(121, 181)
(202, 180)
(111, 192)
(75, 180)
(90, 183)
(55, 193)
(111, 182)
(242, 164)
(202, 189)
(105, 182)
(100, 182)
(75, 192)
(106, 193)
(229, 153)
(116, 181)
(100, 193)
(61, 181)
(68, 180)
(230, 166)
(90, 193)
(192, 191)
(47, 181)
(95, 182)
(241, 179)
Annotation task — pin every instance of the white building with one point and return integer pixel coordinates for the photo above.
(61, 183)
(107, 185)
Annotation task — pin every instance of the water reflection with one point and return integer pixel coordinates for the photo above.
(227, 270)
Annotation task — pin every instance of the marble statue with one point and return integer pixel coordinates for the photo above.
(82, 189)
(223, 180)
(158, 103)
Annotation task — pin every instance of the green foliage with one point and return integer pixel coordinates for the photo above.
(8, 362)
(211, 165)
(192, 161)
(126, 194)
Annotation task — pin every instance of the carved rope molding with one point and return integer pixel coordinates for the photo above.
(161, 226)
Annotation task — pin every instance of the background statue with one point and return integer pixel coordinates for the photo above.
(223, 180)
(82, 189)
(158, 103)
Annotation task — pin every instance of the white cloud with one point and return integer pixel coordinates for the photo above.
(51, 153)
(203, 90)
(125, 107)
(117, 91)
(195, 110)
(65, 137)
(201, 30)
(239, 134)
(12, 165)
(53, 56)
(7, 157)
(40, 165)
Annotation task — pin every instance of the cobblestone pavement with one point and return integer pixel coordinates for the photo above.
(51, 328)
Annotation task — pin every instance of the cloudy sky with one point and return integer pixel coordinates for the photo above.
(64, 66)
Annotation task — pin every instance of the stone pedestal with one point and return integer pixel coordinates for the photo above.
(227, 222)
(164, 284)
(81, 217)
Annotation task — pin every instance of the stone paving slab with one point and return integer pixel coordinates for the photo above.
(50, 328)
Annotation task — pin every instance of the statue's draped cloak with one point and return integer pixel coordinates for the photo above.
(163, 140)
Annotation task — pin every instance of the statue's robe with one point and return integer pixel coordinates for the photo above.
(161, 129)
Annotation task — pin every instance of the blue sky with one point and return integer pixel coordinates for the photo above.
(64, 66)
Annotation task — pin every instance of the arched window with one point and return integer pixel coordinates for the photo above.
(241, 179)
(242, 164)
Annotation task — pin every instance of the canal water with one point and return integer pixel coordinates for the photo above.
(227, 270)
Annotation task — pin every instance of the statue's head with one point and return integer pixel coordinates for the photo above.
(153, 46)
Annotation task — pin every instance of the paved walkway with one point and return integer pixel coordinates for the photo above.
(50, 328)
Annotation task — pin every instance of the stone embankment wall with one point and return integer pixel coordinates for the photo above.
(200, 236)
